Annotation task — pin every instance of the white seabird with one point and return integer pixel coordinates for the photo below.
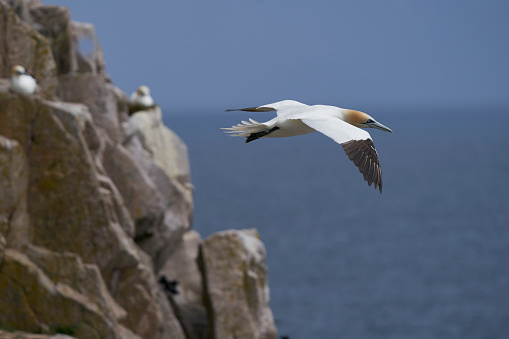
(342, 125)
(22, 82)
(141, 98)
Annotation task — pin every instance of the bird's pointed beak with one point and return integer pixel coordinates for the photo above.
(377, 125)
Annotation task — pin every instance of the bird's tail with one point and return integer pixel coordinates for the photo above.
(251, 129)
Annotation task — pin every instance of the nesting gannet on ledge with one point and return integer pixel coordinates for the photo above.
(141, 97)
(22, 82)
(342, 125)
(140, 100)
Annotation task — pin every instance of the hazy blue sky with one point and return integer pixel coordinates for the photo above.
(356, 54)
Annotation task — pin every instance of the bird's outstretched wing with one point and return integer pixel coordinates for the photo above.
(356, 142)
(279, 106)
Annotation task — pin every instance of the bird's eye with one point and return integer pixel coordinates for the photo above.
(369, 121)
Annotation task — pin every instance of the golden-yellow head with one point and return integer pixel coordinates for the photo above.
(363, 120)
(143, 90)
(18, 70)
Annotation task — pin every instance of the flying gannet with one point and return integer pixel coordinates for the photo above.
(341, 125)
(22, 82)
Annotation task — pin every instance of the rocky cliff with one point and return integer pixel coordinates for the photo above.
(96, 207)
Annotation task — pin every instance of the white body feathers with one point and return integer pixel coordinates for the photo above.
(22, 82)
(141, 97)
(295, 118)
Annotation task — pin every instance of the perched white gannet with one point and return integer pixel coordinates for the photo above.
(141, 98)
(22, 82)
(295, 118)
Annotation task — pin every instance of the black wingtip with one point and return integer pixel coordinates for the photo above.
(362, 152)
(252, 109)
(258, 135)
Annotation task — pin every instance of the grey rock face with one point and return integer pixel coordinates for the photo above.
(23, 45)
(96, 206)
(236, 285)
(68, 210)
(34, 301)
(24, 335)
(14, 184)
(161, 144)
(98, 94)
(54, 22)
(163, 157)
(182, 269)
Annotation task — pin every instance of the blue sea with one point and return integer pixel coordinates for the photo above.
(429, 258)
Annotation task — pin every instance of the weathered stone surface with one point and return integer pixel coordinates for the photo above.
(95, 91)
(160, 240)
(182, 267)
(64, 187)
(139, 193)
(2, 247)
(115, 205)
(74, 45)
(149, 311)
(21, 44)
(89, 54)
(68, 268)
(162, 145)
(32, 301)
(21, 8)
(233, 264)
(24, 335)
(155, 201)
(93, 203)
(14, 220)
(67, 206)
(4, 85)
(165, 238)
(54, 22)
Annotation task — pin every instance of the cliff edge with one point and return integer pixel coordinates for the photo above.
(96, 207)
